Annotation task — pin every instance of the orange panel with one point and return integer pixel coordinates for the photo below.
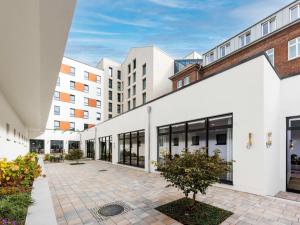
(90, 125)
(64, 97)
(92, 77)
(65, 69)
(92, 102)
(79, 86)
(79, 113)
(64, 125)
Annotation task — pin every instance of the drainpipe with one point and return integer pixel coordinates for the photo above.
(148, 137)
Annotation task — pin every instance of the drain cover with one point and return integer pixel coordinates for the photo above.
(111, 210)
(102, 170)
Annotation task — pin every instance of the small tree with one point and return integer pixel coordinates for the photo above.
(75, 154)
(193, 172)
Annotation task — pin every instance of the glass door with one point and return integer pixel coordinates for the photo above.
(293, 154)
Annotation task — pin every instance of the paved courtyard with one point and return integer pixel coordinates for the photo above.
(76, 189)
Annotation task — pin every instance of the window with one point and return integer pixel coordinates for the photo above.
(98, 91)
(58, 81)
(56, 95)
(85, 114)
(109, 116)
(110, 83)
(98, 116)
(134, 77)
(210, 57)
(268, 26)
(56, 110)
(294, 48)
(134, 90)
(72, 98)
(86, 126)
(129, 93)
(186, 80)
(195, 140)
(110, 95)
(119, 86)
(98, 79)
(133, 102)
(224, 50)
(245, 39)
(119, 97)
(270, 54)
(56, 125)
(119, 108)
(144, 98)
(176, 141)
(128, 81)
(72, 71)
(86, 75)
(144, 83)
(72, 126)
(86, 88)
(294, 13)
(134, 63)
(7, 131)
(144, 69)
(179, 84)
(110, 71)
(72, 112)
(86, 101)
(119, 74)
(72, 85)
(98, 104)
(110, 107)
(128, 103)
(129, 68)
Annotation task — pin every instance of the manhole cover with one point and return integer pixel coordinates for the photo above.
(111, 210)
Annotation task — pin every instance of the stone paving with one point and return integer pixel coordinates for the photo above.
(76, 189)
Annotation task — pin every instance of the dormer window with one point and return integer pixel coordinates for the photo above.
(294, 13)
(245, 39)
(224, 50)
(209, 57)
(268, 27)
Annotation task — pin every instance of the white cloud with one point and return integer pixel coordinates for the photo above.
(93, 32)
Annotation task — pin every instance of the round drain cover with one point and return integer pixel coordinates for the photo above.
(111, 210)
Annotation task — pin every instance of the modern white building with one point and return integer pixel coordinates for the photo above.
(32, 42)
(76, 106)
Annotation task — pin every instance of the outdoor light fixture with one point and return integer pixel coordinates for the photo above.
(269, 140)
(249, 143)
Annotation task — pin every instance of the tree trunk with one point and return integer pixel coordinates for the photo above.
(194, 198)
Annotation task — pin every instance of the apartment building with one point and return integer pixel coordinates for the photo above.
(276, 35)
(244, 104)
(76, 106)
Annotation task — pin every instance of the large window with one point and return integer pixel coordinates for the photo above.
(105, 148)
(294, 48)
(245, 39)
(56, 146)
(132, 148)
(74, 145)
(209, 134)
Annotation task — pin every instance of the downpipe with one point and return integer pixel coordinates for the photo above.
(148, 137)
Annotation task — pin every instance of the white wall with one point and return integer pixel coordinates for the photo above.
(246, 102)
(10, 145)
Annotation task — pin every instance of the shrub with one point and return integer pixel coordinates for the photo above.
(46, 157)
(74, 154)
(193, 172)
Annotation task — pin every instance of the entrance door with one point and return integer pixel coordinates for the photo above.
(90, 151)
(293, 154)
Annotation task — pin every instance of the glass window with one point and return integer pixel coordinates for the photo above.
(110, 107)
(179, 84)
(144, 69)
(72, 112)
(128, 81)
(119, 97)
(86, 75)
(119, 86)
(56, 110)
(178, 138)
(268, 27)
(98, 116)
(186, 80)
(72, 85)
(119, 74)
(134, 77)
(144, 83)
(128, 93)
(129, 68)
(56, 124)
(98, 104)
(144, 98)
(86, 88)
(163, 142)
(58, 81)
(270, 54)
(98, 91)
(86, 101)
(110, 71)
(98, 79)
(224, 50)
(72, 98)
(85, 114)
(128, 105)
(134, 90)
(294, 13)
(119, 108)
(72, 71)
(294, 48)
(110, 83)
(133, 102)
(72, 126)
(196, 135)
(110, 95)
(134, 63)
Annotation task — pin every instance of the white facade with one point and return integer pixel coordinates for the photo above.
(259, 104)
(148, 75)
(71, 118)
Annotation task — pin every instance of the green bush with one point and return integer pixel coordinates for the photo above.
(74, 154)
(47, 157)
(14, 207)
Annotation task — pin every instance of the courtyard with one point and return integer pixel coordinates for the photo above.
(77, 189)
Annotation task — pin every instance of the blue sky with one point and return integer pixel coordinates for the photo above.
(109, 28)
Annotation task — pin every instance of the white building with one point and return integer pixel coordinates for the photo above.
(76, 106)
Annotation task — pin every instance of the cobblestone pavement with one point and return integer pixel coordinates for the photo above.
(76, 189)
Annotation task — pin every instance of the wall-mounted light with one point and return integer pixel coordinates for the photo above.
(249, 142)
(269, 140)
(291, 145)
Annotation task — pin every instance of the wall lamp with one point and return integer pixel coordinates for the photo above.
(249, 142)
(269, 140)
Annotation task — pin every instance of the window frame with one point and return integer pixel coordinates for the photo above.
(85, 114)
(54, 125)
(98, 104)
(57, 113)
(268, 22)
(72, 126)
(72, 85)
(71, 101)
(86, 75)
(297, 46)
(273, 53)
(86, 88)
(72, 112)
(297, 7)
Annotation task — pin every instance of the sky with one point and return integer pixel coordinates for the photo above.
(109, 28)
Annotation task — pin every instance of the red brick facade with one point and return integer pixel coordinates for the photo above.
(192, 71)
(278, 41)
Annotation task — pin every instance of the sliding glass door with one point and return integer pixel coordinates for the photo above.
(209, 134)
(105, 145)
